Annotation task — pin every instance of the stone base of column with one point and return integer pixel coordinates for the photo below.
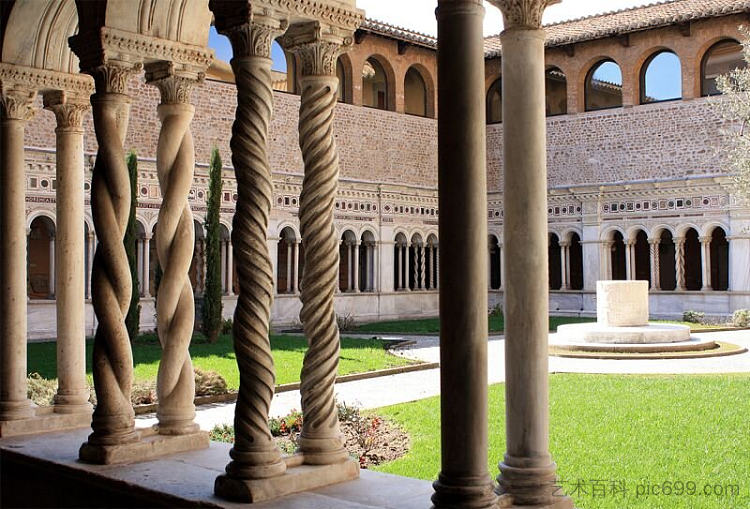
(530, 485)
(298, 477)
(151, 445)
(45, 420)
(470, 492)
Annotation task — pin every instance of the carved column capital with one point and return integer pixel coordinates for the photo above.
(112, 76)
(253, 38)
(175, 83)
(705, 239)
(68, 109)
(523, 14)
(17, 103)
(317, 46)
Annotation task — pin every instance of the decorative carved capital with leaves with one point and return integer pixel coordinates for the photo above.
(318, 47)
(253, 39)
(524, 14)
(175, 84)
(112, 76)
(69, 110)
(17, 103)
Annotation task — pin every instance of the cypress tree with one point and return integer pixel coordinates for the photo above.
(133, 318)
(212, 305)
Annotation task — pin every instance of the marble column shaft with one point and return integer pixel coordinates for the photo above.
(72, 392)
(706, 263)
(679, 254)
(16, 109)
(356, 275)
(527, 472)
(464, 479)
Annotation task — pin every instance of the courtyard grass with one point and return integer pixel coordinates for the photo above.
(432, 325)
(496, 325)
(676, 432)
(357, 356)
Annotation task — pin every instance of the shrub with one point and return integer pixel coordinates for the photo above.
(133, 318)
(143, 393)
(41, 390)
(346, 322)
(496, 310)
(741, 318)
(693, 316)
(226, 326)
(209, 382)
(222, 433)
(211, 309)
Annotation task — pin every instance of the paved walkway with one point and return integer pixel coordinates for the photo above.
(401, 388)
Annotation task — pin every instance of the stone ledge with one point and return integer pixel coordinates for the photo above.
(43, 471)
(150, 445)
(45, 420)
(296, 479)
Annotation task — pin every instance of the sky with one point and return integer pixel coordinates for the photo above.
(419, 15)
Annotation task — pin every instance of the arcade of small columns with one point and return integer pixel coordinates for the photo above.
(527, 472)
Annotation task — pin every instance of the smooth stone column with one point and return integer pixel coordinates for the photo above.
(72, 392)
(464, 479)
(355, 280)
(91, 248)
(321, 441)
(146, 286)
(230, 268)
(629, 262)
(706, 263)
(527, 472)
(16, 109)
(52, 264)
(564, 253)
(607, 255)
(295, 266)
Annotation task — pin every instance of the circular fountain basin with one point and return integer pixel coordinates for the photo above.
(602, 334)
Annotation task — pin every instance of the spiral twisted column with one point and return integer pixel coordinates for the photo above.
(254, 455)
(175, 241)
(654, 254)
(16, 109)
(679, 253)
(111, 287)
(321, 441)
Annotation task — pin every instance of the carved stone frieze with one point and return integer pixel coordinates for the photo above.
(95, 48)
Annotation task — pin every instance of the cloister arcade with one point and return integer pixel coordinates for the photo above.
(660, 77)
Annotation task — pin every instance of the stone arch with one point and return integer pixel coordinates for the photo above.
(400, 254)
(556, 91)
(609, 232)
(348, 238)
(426, 101)
(603, 85)
(41, 257)
(48, 214)
(719, 259)
(36, 35)
(185, 21)
(721, 56)
(633, 231)
(662, 64)
(495, 262)
(617, 255)
(641, 258)
(554, 259)
(344, 73)
(288, 225)
(692, 259)
(289, 240)
(378, 92)
(494, 102)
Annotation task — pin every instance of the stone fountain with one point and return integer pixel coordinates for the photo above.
(622, 325)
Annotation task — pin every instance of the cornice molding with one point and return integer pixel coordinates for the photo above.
(43, 79)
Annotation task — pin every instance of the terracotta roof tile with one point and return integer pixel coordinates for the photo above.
(630, 20)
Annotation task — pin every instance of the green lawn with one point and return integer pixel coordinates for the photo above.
(432, 325)
(357, 356)
(635, 430)
(496, 324)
